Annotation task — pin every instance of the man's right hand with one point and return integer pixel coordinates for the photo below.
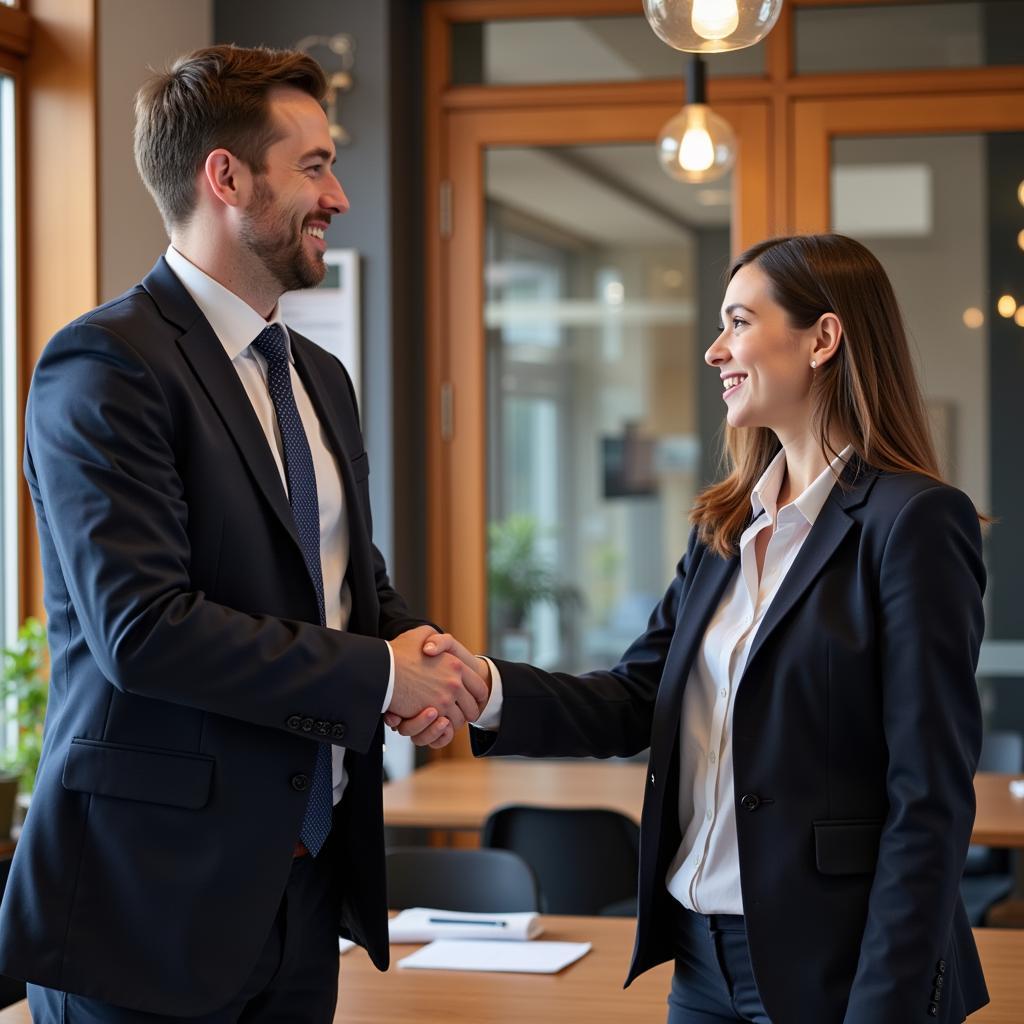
(443, 682)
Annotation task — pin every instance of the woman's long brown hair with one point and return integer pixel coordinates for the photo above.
(867, 393)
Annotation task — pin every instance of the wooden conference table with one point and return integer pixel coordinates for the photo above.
(587, 992)
(459, 795)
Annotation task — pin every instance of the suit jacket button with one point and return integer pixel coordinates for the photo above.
(307, 725)
(322, 727)
(750, 801)
(300, 782)
(933, 1010)
(936, 994)
(294, 722)
(338, 731)
(940, 967)
(939, 981)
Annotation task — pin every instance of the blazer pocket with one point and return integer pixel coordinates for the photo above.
(169, 777)
(847, 847)
(361, 467)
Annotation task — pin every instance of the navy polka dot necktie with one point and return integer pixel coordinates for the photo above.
(298, 464)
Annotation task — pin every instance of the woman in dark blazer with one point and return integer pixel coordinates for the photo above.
(806, 685)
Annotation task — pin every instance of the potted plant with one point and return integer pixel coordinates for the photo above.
(517, 579)
(24, 685)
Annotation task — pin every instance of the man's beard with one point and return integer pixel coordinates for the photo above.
(271, 237)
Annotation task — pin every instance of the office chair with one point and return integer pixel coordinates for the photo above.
(585, 860)
(989, 873)
(10, 990)
(472, 881)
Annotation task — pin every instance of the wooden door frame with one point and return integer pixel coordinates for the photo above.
(458, 460)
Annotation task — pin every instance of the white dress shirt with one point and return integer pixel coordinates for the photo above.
(237, 325)
(705, 874)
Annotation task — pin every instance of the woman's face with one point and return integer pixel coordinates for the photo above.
(764, 363)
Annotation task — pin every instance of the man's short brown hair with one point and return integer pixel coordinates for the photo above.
(210, 99)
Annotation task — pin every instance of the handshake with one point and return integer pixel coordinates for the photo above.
(439, 686)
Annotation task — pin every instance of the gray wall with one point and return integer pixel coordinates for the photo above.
(379, 172)
(132, 37)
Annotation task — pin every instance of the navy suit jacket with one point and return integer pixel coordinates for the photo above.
(190, 679)
(856, 733)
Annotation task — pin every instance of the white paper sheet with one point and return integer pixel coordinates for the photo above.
(423, 924)
(514, 957)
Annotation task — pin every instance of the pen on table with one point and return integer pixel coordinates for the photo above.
(459, 920)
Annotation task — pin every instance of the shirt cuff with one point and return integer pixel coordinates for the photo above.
(490, 717)
(391, 680)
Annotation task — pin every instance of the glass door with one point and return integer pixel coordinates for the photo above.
(576, 419)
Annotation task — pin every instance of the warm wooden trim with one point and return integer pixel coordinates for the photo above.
(908, 83)
(593, 94)
(15, 31)
(436, 68)
(816, 123)
(747, 87)
(61, 275)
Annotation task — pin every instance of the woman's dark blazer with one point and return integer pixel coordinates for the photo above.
(856, 732)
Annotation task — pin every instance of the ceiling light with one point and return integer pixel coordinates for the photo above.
(696, 145)
(712, 26)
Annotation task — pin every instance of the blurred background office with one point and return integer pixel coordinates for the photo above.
(536, 295)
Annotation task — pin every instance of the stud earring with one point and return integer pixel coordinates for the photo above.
(814, 364)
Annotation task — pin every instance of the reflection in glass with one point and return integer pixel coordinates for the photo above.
(905, 37)
(551, 50)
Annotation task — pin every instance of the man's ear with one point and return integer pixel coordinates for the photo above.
(828, 336)
(227, 178)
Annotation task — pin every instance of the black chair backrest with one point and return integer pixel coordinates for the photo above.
(1001, 751)
(10, 990)
(584, 859)
(472, 881)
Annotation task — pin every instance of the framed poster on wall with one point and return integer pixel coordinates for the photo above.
(329, 313)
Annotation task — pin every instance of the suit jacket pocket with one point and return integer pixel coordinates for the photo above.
(847, 847)
(170, 777)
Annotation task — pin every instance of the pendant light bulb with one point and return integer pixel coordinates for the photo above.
(715, 19)
(712, 26)
(696, 145)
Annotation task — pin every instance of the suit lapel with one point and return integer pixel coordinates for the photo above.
(205, 354)
(703, 596)
(360, 557)
(218, 378)
(827, 533)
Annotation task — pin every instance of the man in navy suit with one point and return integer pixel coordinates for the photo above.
(223, 634)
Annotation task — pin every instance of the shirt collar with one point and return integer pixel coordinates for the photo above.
(765, 496)
(233, 320)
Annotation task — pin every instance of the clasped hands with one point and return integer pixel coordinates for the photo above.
(439, 686)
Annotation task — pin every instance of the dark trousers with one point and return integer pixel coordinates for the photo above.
(294, 981)
(713, 982)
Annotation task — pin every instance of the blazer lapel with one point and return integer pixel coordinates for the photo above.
(205, 354)
(218, 378)
(702, 598)
(360, 557)
(827, 533)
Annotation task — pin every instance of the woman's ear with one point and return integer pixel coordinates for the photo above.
(828, 335)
